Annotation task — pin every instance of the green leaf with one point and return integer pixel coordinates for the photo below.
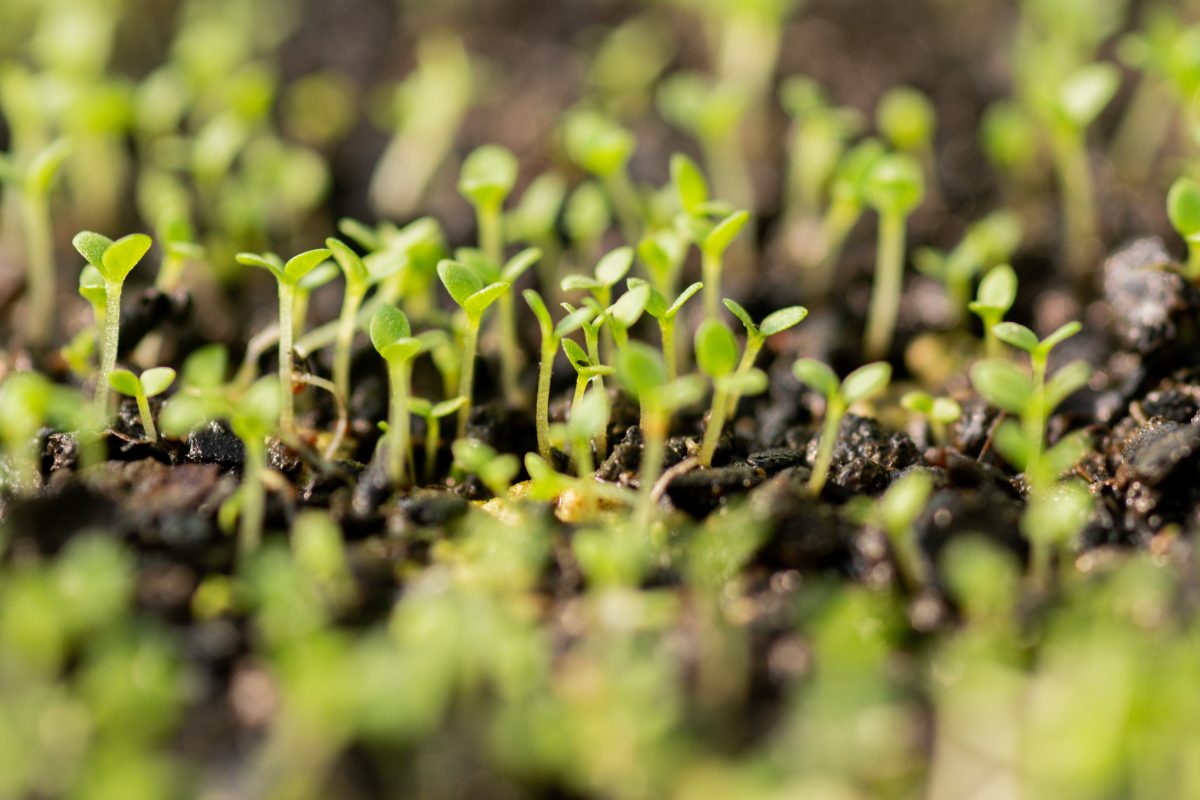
(488, 176)
(91, 286)
(205, 368)
(269, 261)
(997, 290)
(384, 264)
(749, 383)
(1012, 443)
(895, 185)
(742, 314)
(1183, 207)
(459, 281)
(300, 265)
(125, 382)
(1066, 453)
(448, 407)
(573, 283)
(656, 304)
(157, 380)
(402, 350)
(641, 368)
(597, 143)
(575, 354)
(388, 326)
(725, 231)
(813, 373)
(716, 349)
(45, 166)
(904, 501)
(597, 371)
(629, 307)
(123, 255)
(351, 265)
(184, 412)
(1016, 335)
(518, 264)
(866, 381)
(779, 321)
(684, 296)
(477, 303)
(420, 406)
(364, 235)
(917, 402)
(572, 322)
(1059, 336)
(1085, 93)
(1070, 378)
(945, 410)
(320, 276)
(684, 391)
(589, 417)
(538, 306)
(258, 412)
(907, 118)
(1002, 384)
(614, 265)
(661, 252)
(690, 185)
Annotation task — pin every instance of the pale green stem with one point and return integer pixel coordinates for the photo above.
(838, 222)
(1035, 420)
(398, 422)
(1145, 123)
(143, 404)
(466, 380)
(654, 432)
(580, 388)
(833, 420)
(344, 343)
(754, 345)
(1078, 201)
(710, 268)
(885, 295)
(287, 408)
(593, 349)
(253, 497)
(491, 240)
(625, 203)
(108, 349)
(40, 269)
(716, 423)
(667, 327)
(542, 412)
(1193, 265)
(300, 312)
(908, 557)
(432, 434)
(170, 273)
(994, 347)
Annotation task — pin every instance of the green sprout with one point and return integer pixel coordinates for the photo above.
(141, 388)
(177, 238)
(624, 313)
(393, 339)
(586, 217)
(1183, 208)
(1008, 135)
(495, 470)
(712, 112)
(34, 184)
(907, 119)
(894, 188)
(987, 243)
(588, 369)
(861, 384)
(846, 203)
(1032, 398)
(29, 400)
(314, 280)
(820, 134)
(114, 261)
(895, 512)
(552, 335)
(473, 297)
(610, 269)
(717, 357)
(939, 411)
(433, 414)
(996, 295)
(658, 307)
(641, 369)
(756, 335)
(1053, 515)
(287, 277)
(535, 220)
(599, 145)
(361, 274)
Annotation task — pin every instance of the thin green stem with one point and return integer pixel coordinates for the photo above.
(1193, 264)
(994, 347)
(542, 412)
(143, 404)
(466, 380)
(839, 220)
(344, 343)
(716, 423)
(432, 434)
(754, 345)
(300, 312)
(625, 203)
(593, 350)
(253, 497)
(654, 434)
(398, 421)
(287, 409)
(833, 420)
(40, 269)
(710, 269)
(1035, 419)
(170, 273)
(885, 296)
(666, 326)
(108, 349)
(510, 351)
(1078, 200)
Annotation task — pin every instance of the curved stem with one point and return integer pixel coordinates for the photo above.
(833, 420)
(885, 295)
(344, 341)
(108, 349)
(466, 380)
(287, 409)
(716, 423)
(143, 404)
(542, 411)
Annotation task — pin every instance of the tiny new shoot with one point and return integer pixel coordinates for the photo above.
(552, 334)
(996, 295)
(612, 267)
(861, 384)
(141, 388)
(486, 180)
(588, 369)
(433, 414)
(907, 118)
(717, 357)
(846, 203)
(1183, 208)
(496, 471)
(287, 277)
(473, 297)
(393, 339)
(29, 400)
(894, 188)
(361, 274)
(896, 512)
(114, 261)
(757, 335)
(665, 312)
(598, 144)
(938, 411)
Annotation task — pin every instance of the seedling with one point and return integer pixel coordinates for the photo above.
(473, 297)
(287, 277)
(894, 188)
(996, 295)
(820, 134)
(624, 313)
(588, 369)
(393, 339)
(361, 274)
(658, 307)
(896, 512)
(861, 384)
(641, 369)
(939, 411)
(847, 200)
(34, 184)
(600, 146)
(908, 120)
(141, 388)
(586, 218)
(1033, 399)
(612, 267)
(717, 357)
(552, 334)
(314, 280)
(28, 400)
(989, 242)
(433, 414)
(712, 112)
(495, 470)
(177, 238)
(114, 261)
(535, 220)
(1183, 208)
(1053, 516)
(757, 335)
(663, 253)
